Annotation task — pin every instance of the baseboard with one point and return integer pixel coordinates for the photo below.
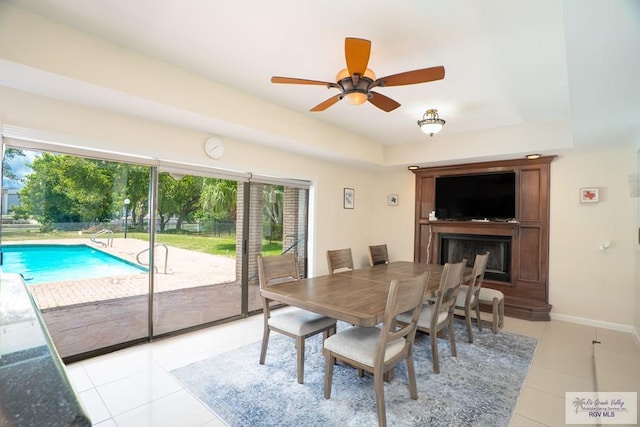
(597, 323)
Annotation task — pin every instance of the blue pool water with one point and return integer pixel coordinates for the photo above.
(55, 263)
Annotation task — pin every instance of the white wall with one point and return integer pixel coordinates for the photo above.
(584, 282)
(394, 225)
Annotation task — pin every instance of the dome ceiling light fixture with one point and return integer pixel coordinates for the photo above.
(431, 123)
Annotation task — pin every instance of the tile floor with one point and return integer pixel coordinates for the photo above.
(133, 387)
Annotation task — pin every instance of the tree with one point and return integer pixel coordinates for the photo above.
(10, 154)
(178, 197)
(273, 197)
(132, 182)
(220, 199)
(65, 188)
(19, 212)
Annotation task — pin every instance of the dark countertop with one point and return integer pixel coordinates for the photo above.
(34, 388)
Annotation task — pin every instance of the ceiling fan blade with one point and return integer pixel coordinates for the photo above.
(293, 80)
(326, 104)
(383, 102)
(412, 77)
(356, 52)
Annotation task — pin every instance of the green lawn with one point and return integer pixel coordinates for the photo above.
(211, 245)
(207, 244)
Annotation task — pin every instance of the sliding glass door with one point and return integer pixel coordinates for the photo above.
(198, 262)
(224, 225)
(278, 218)
(64, 229)
(116, 252)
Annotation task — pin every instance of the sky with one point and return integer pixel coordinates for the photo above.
(19, 166)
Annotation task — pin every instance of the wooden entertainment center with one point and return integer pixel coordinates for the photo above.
(526, 291)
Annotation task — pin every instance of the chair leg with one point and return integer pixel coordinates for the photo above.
(495, 309)
(326, 334)
(434, 352)
(265, 343)
(378, 380)
(300, 352)
(478, 319)
(329, 361)
(411, 374)
(467, 315)
(452, 338)
(498, 314)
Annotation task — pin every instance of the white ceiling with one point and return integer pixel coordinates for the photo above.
(508, 62)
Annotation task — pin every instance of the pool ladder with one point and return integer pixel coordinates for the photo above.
(166, 257)
(109, 233)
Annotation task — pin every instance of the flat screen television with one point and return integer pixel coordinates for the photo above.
(490, 196)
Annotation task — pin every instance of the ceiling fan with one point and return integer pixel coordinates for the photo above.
(356, 81)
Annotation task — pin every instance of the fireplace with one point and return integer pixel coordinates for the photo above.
(455, 247)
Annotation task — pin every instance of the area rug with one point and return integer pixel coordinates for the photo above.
(479, 387)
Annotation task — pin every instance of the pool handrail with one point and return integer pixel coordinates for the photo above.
(166, 257)
(109, 233)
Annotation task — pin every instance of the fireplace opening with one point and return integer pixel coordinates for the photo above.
(455, 247)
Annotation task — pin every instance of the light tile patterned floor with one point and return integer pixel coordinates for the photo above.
(132, 387)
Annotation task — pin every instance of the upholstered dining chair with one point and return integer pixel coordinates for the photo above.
(295, 323)
(495, 299)
(378, 349)
(339, 259)
(378, 255)
(467, 299)
(439, 315)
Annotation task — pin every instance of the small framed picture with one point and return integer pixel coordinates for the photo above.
(349, 196)
(392, 200)
(589, 195)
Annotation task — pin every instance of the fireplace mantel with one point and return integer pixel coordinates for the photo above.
(526, 295)
(498, 228)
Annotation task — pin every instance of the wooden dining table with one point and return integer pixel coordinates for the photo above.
(357, 296)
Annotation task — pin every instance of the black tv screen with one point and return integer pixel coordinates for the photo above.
(484, 196)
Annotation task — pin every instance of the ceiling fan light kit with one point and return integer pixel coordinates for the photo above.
(356, 81)
(355, 89)
(431, 122)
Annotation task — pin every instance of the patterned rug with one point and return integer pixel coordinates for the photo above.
(480, 387)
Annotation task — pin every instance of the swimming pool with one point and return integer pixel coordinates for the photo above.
(55, 263)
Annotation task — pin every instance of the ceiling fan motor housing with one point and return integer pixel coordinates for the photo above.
(355, 84)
